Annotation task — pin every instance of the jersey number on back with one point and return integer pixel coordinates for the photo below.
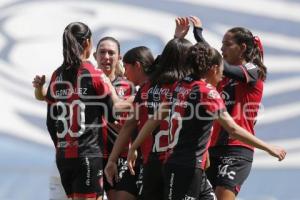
(175, 126)
(77, 111)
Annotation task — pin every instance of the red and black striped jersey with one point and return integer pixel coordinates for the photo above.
(124, 89)
(147, 100)
(241, 91)
(76, 106)
(195, 105)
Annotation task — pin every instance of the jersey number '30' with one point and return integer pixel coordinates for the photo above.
(76, 105)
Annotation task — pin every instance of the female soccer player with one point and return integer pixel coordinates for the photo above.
(168, 70)
(138, 64)
(195, 104)
(108, 58)
(242, 90)
(78, 97)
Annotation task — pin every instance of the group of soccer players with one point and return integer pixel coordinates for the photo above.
(186, 133)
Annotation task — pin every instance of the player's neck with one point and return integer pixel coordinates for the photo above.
(112, 76)
(209, 80)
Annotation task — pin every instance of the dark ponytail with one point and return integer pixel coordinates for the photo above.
(73, 43)
(257, 58)
(201, 58)
(254, 49)
(170, 66)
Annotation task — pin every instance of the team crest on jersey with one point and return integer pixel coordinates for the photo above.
(121, 92)
(250, 66)
(213, 94)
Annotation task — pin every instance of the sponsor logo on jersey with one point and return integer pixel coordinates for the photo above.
(250, 66)
(213, 94)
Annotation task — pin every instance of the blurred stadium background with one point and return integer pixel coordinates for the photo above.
(31, 43)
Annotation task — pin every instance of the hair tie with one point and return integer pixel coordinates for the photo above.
(257, 41)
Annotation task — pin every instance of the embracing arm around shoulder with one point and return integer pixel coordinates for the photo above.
(247, 73)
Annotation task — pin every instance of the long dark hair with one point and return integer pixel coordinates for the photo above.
(142, 55)
(201, 58)
(170, 64)
(254, 51)
(74, 37)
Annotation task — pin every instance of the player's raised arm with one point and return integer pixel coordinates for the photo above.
(182, 27)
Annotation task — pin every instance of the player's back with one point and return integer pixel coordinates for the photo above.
(194, 104)
(78, 104)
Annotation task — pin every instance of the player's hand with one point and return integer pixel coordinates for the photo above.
(278, 152)
(111, 172)
(131, 158)
(196, 21)
(182, 27)
(39, 81)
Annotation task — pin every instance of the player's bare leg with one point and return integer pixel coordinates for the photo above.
(224, 194)
(125, 195)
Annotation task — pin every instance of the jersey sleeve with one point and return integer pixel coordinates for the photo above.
(110, 117)
(198, 35)
(247, 73)
(103, 87)
(51, 122)
(101, 84)
(49, 98)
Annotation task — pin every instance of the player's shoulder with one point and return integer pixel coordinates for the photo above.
(93, 72)
(209, 90)
(87, 66)
(57, 74)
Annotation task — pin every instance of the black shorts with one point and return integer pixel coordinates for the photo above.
(229, 172)
(127, 182)
(153, 181)
(81, 177)
(183, 182)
